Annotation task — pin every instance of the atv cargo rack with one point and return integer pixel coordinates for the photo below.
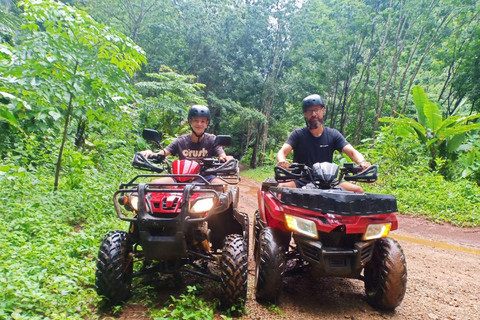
(336, 201)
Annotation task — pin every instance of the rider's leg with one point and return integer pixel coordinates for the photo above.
(164, 180)
(347, 186)
(288, 184)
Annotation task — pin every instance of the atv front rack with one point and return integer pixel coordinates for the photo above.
(141, 189)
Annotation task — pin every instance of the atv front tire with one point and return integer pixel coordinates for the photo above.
(256, 234)
(386, 275)
(270, 266)
(113, 278)
(234, 271)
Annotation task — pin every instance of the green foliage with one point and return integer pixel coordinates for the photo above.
(50, 239)
(66, 65)
(187, 306)
(259, 174)
(469, 158)
(440, 136)
(167, 98)
(420, 191)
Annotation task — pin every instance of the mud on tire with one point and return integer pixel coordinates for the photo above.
(256, 233)
(386, 275)
(234, 271)
(113, 278)
(270, 267)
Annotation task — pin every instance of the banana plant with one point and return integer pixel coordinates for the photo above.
(441, 136)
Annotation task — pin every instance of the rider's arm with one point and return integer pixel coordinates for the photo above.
(356, 156)
(282, 156)
(148, 153)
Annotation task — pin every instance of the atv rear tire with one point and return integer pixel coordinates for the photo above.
(113, 278)
(270, 266)
(234, 271)
(386, 275)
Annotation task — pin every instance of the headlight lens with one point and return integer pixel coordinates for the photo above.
(202, 205)
(377, 231)
(133, 202)
(303, 226)
(130, 202)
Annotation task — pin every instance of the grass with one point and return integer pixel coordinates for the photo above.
(258, 174)
(50, 242)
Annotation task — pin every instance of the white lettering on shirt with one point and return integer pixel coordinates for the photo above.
(195, 153)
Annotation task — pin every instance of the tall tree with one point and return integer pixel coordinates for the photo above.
(67, 64)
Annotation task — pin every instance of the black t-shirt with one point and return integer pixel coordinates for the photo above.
(308, 149)
(185, 148)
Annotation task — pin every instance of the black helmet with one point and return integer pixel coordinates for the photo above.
(199, 111)
(312, 100)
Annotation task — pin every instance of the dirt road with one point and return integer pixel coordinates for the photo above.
(443, 277)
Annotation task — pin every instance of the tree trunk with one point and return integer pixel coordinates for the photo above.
(64, 138)
(253, 161)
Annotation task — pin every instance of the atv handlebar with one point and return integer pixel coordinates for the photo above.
(214, 166)
(349, 172)
(352, 172)
(141, 162)
(295, 171)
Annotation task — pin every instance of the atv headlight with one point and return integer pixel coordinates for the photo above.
(303, 226)
(133, 199)
(377, 231)
(202, 205)
(130, 202)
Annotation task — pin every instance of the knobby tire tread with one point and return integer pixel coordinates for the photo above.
(270, 266)
(386, 275)
(234, 271)
(113, 277)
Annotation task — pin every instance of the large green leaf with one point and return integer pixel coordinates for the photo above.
(454, 121)
(403, 125)
(420, 99)
(455, 142)
(433, 115)
(8, 117)
(458, 130)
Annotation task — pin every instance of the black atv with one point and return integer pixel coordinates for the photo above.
(192, 226)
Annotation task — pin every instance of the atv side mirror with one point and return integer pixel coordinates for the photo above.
(151, 135)
(222, 140)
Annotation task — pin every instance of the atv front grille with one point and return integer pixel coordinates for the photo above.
(333, 254)
(165, 208)
(311, 252)
(169, 205)
(338, 240)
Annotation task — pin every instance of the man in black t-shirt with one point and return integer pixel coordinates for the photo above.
(196, 145)
(316, 143)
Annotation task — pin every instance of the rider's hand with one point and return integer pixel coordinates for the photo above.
(225, 158)
(365, 165)
(147, 153)
(284, 164)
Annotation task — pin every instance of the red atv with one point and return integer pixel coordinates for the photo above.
(192, 225)
(330, 231)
